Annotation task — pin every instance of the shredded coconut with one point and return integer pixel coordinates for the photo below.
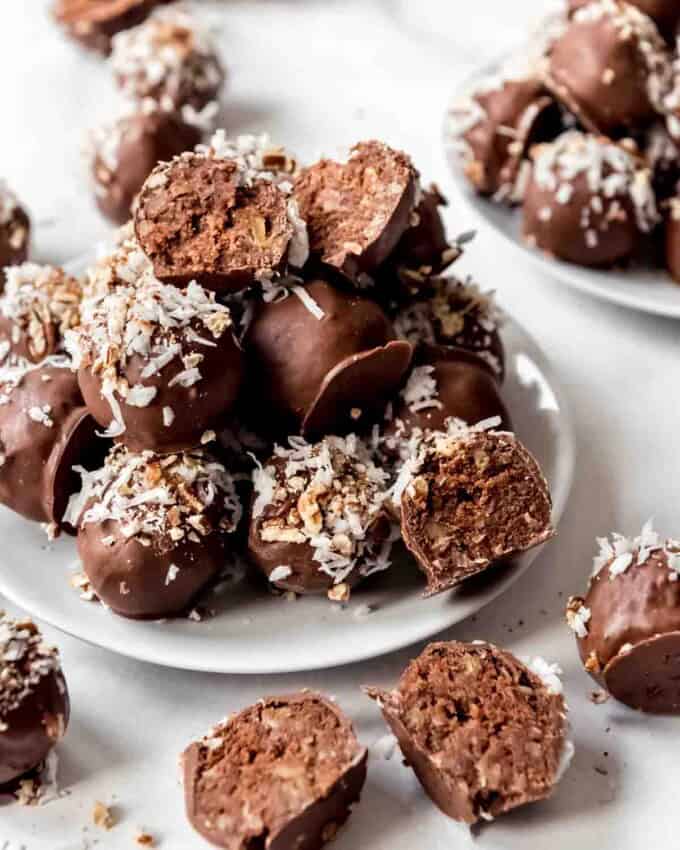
(620, 553)
(421, 391)
(549, 673)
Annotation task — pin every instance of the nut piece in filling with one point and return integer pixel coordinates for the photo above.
(469, 498)
(280, 775)
(628, 624)
(158, 366)
(323, 360)
(588, 200)
(39, 305)
(34, 704)
(483, 732)
(153, 530)
(15, 230)
(318, 522)
(357, 211)
(94, 22)
(223, 215)
(45, 429)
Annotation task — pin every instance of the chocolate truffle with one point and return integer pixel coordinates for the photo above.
(665, 13)
(153, 529)
(44, 429)
(34, 704)
(222, 215)
(453, 312)
(94, 22)
(40, 304)
(628, 624)
(279, 775)
(673, 239)
(470, 497)
(158, 366)
(318, 521)
(483, 731)
(123, 154)
(170, 59)
(14, 230)
(322, 360)
(588, 200)
(357, 211)
(611, 68)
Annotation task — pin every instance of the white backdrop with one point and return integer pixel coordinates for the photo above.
(318, 74)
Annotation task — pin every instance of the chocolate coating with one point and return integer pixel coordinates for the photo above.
(94, 22)
(293, 763)
(15, 230)
(481, 730)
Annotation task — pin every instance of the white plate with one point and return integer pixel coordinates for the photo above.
(254, 632)
(647, 289)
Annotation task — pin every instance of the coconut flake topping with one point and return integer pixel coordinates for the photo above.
(620, 552)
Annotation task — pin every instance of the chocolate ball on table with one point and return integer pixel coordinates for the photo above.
(611, 68)
(628, 624)
(154, 530)
(15, 229)
(123, 154)
(158, 366)
(588, 201)
(34, 703)
(94, 22)
(305, 770)
(45, 429)
(469, 498)
(483, 731)
(318, 522)
(323, 360)
(39, 305)
(358, 211)
(665, 13)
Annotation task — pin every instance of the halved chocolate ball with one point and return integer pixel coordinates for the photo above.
(15, 231)
(628, 624)
(95, 22)
(483, 731)
(34, 703)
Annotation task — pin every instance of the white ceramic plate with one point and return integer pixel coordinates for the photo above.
(647, 289)
(254, 632)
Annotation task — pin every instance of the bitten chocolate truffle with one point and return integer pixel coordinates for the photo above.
(483, 731)
(588, 201)
(153, 530)
(14, 230)
(279, 775)
(94, 22)
(611, 68)
(223, 215)
(628, 624)
(34, 704)
(158, 366)
(665, 13)
(170, 59)
(455, 313)
(39, 305)
(318, 521)
(357, 211)
(470, 497)
(123, 154)
(45, 429)
(325, 361)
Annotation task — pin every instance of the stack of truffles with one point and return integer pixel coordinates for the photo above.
(585, 136)
(286, 376)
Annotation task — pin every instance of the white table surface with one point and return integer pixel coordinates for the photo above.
(318, 74)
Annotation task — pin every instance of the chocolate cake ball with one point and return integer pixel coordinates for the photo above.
(470, 497)
(588, 201)
(40, 304)
(153, 530)
(483, 731)
(34, 704)
(611, 67)
(453, 312)
(14, 230)
(123, 154)
(318, 521)
(170, 59)
(44, 430)
(94, 22)
(665, 13)
(357, 211)
(221, 215)
(158, 366)
(673, 239)
(303, 771)
(322, 360)
(628, 624)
